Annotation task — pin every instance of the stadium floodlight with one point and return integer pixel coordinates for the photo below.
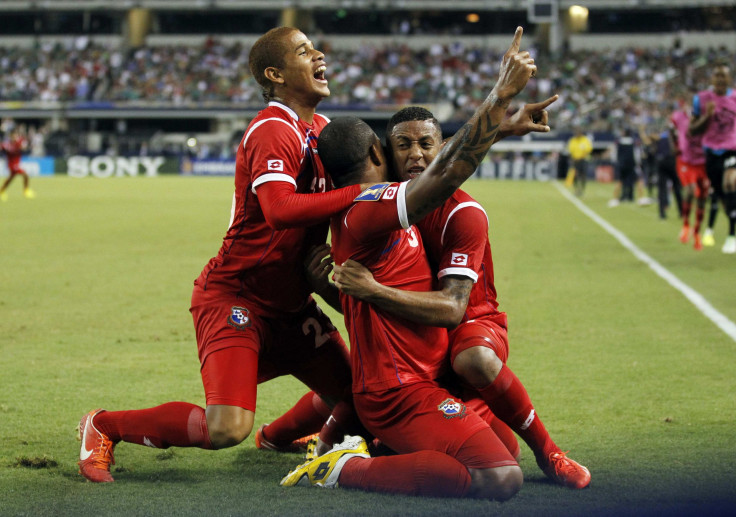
(542, 11)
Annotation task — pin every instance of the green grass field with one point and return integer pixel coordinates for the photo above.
(95, 280)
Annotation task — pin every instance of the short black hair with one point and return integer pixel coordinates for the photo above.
(411, 114)
(343, 147)
(269, 50)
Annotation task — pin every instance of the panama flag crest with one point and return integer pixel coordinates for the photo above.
(239, 318)
(451, 408)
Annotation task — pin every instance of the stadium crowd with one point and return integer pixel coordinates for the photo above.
(603, 91)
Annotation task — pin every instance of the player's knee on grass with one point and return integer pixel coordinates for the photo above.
(228, 425)
(478, 366)
(498, 484)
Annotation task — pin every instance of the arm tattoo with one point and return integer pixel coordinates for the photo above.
(471, 143)
(459, 288)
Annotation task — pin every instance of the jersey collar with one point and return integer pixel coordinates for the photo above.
(285, 108)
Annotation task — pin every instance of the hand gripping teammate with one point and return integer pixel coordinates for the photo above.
(444, 448)
(456, 239)
(253, 313)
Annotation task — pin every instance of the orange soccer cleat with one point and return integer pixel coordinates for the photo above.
(561, 469)
(299, 445)
(685, 234)
(698, 245)
(96, 454)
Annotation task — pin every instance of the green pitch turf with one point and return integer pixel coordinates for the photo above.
(95, 280)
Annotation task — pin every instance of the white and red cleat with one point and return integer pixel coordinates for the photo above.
(96, 453)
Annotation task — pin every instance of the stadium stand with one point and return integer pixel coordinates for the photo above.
(83, 74)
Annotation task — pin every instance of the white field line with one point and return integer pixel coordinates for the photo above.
(697, 299)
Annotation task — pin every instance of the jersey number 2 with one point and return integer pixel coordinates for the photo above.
(320, 337)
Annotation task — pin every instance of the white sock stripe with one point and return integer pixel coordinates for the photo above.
(697, 299)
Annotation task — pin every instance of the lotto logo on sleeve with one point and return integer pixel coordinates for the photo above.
(390, 192)
(276, 165)
(451, 409)
(459, 259)
(239, 318)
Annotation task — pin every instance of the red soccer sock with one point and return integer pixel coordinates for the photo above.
(509, 401)
(699, 212)
(342, 421)
(686, 207)
(305, 418)
(423, 473)
(177, 424)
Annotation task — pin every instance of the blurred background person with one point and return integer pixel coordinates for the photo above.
(14, 147)
(580, 148)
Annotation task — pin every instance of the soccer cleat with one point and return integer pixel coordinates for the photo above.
(561, 469)
(3, 196)
(730, 245)
(96, 454)
(324, 471)
(613, 203)
(698, 244)
(29, 194)
(685, 234)
(708, 239)
(299, 445)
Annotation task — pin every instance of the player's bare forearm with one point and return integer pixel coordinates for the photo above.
(460, 157)
(698, 124)
(331, 296)
(318, 266)
(444, 308)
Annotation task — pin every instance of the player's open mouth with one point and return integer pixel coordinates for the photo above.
(415, 171)
(319, 75)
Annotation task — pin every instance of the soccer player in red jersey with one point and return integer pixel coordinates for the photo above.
(253, 312)
(444, 448)
(14, 147)
(690, 164)
(456, 239)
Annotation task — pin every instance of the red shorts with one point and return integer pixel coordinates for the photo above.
(693, 174)
(16, 170)
(425, 416)
(479, 332)
(305, 345)
(474, 401)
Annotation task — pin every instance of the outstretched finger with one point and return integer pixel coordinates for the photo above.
(542, 105)
(516, 43)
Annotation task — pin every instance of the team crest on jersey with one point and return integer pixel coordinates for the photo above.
(372, 193)
(451, 409)
(239, 318)
(276, 165)
(459, 259)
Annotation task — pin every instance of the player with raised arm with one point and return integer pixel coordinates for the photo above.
(253, 313)
(444, 448)
(456, 239)
(714, 116)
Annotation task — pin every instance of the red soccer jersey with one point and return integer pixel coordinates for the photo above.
(456, 240)
(264, 265)
(13, 151)
(386, 350)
